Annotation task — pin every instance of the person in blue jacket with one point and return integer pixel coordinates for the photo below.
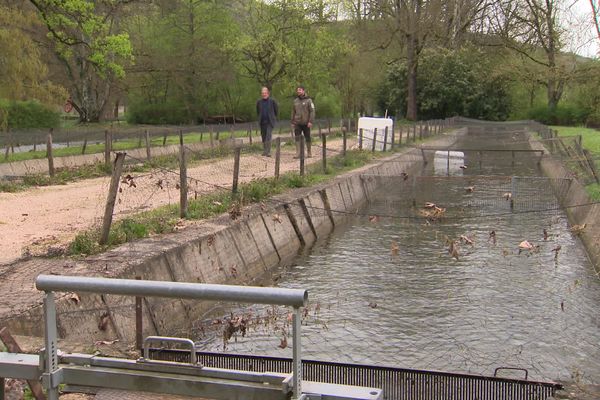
(267, 111)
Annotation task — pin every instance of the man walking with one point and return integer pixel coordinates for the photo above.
(267, 111)
(303, 116)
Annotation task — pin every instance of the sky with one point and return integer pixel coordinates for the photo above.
(579, 22)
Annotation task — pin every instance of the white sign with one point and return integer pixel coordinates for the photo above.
(374, 129)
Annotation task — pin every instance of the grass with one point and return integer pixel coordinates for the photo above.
(590, 137)
(64, 176)
(165, 219)
(121, 145)
(591, 141)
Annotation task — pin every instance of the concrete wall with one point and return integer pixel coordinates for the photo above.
(576, 196)
(219, 250)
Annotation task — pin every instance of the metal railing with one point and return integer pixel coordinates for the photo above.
(397, 383)
(52, 376)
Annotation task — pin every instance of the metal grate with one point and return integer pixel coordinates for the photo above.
(397, 383)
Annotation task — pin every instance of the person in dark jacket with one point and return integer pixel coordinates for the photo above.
(267, 111)
(303, 116)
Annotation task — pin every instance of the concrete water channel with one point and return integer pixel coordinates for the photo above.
(386, 290)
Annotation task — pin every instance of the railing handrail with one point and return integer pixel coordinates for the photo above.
(198, 291)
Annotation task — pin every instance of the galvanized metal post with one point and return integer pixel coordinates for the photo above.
(448, 164)
(51, 341)
(360, 139)
(139, 328)
(297, 352)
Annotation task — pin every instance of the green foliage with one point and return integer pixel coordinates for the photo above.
(29, 114)
(133, 229)
(162, 113)
(450, 82)
(563, 114)
(84, 243)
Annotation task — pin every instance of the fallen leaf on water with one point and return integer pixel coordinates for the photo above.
(283, 343)
(394, 248)
(74, 297)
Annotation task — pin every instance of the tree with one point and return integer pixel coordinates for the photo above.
(94, 54)
(452, 82)
(596, 16)
(184, 58)
(23, 73)
(532, 29)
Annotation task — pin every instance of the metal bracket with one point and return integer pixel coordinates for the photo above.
(165, 339)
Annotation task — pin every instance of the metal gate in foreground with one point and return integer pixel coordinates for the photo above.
(397, 383)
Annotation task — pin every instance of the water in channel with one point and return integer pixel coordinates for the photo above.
(384, 289)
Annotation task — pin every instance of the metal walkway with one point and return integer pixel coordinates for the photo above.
(397, 383)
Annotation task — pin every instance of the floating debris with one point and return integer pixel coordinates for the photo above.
(577, 229)
(556, 250)
(507, 196)
(453, 250)
(283, 344)
(404, 175)
(492, 237)
(466, 240)
(394, 248)
(470, 189)
(545, 234)
(373, 219)
(373, 304)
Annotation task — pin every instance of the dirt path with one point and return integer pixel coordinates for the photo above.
(38, 219)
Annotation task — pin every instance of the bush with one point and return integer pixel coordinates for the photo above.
(158, 114)
(29, 115)
(561, 115)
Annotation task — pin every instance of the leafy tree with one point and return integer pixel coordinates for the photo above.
(451, 82)
(183, 53)
(23, 72)
(92, 51)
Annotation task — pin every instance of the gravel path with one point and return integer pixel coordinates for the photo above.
(39, 219)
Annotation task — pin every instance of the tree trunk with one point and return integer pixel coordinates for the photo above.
(412, 64)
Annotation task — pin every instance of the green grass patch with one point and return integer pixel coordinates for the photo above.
(61, 177)
(591, 141)
(593, 191)
(590, 137)
(164, 219)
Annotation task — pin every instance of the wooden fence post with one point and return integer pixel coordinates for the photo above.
(277, 156)
(84, 146)
(385, 138)
(324, 152)
(236, 169)
(212, 143)
(360, 139)
(107, 146)
(165, 138)
(400, 135)
(592, 165)
(112, 198)
(374, 141)
(13, 347)
(49, 154)
(148, 151)
(183, 186)
(344, 141)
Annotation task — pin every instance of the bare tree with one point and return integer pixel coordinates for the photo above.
(596, 14)
(532, 29)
